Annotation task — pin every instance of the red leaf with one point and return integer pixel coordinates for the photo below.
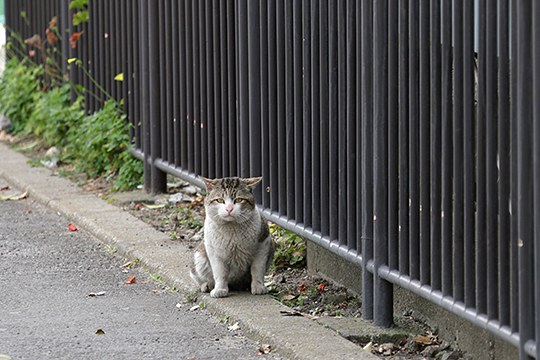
(131, 280)
(320, 288)
(74, 38)
(51, 36)
(72, 227)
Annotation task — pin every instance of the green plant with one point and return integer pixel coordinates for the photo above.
(290, 248)
(99, 146)
(19, 91)
(54, 115)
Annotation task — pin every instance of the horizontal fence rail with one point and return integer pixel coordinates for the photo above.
(403, 136)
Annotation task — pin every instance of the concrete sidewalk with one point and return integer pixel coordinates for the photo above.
(260, 317)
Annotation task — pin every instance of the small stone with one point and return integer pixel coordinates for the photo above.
(450, 355)
(190, 190)
(431, 351)
(5, 123)
(179, 197)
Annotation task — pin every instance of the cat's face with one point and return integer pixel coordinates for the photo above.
(230, 199)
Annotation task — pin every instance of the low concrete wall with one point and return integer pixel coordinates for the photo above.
(479, 344)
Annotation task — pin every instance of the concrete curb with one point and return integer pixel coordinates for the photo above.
(294, 337)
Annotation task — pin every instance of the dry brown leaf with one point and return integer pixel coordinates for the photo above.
(422, 340)
(131, 280)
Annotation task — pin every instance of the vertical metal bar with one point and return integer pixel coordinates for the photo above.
(352, 122)
(265, 123)
(334, 123)
(504, 234)
(190, 93)
(514, 261)
(525, 175)
(425, 143)
(393, 135)
(383, 311)
(185, 90)
(281, 114)
(358, 119)
(231, 88)
(447, 149)
(367, 160)
(195, 122)
(536, 161)
(289, 107)
(219, 114)
(176, 34)
(536, 172)
(224, 48)
(168, 79)
(340, 176)
(297, 43)
(404, 265)
(162, 56)
(201, 128)
(158, 177)
(435, 161)
(468, 153)
(209, 124)
(145, 93)
(273, 105)
(458, 152)
(307, 35)
(315, 114)
(254, 89)
(492, 121)
(324, 117)
(414, 140)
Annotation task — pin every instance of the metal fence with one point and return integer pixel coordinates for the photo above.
(403, 136)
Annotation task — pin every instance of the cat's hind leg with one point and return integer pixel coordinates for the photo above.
(259, 267)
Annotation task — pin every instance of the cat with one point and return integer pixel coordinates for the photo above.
(237, 248)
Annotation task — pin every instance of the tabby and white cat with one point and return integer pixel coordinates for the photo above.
(237, 248)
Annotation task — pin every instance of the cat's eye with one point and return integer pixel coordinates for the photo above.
(239, 201)
(219, 201)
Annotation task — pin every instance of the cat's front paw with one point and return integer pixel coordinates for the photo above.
(219, 293)
(258, 289)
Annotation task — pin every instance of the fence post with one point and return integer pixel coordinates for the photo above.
(155, 180)
(383, 296)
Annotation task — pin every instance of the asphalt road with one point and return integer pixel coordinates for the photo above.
(46, 275)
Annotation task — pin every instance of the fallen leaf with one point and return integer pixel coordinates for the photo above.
(119, 77)
(320, 288)
(138, 207)
(297, 313)
(101, 293)
(14, 197)
(100, 332)
(234, 327)
(422, 340)
(302, 287)
(131, 280)
(153, 206)
(264, 349)
(155, 291)
(72, 227)
(289, 297)
(368, 347)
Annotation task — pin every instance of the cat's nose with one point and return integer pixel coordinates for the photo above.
(229, 208)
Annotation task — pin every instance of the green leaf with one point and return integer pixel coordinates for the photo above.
(78, 4)
(119, 77)
(80, 17)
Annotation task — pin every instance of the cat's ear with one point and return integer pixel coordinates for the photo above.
(252, 182)
(209, 183)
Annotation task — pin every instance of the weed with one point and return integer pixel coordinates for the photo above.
(109, 249)
(157, 278)
(202, 305)
(192, 297)
(224, 319)
(290, 249)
